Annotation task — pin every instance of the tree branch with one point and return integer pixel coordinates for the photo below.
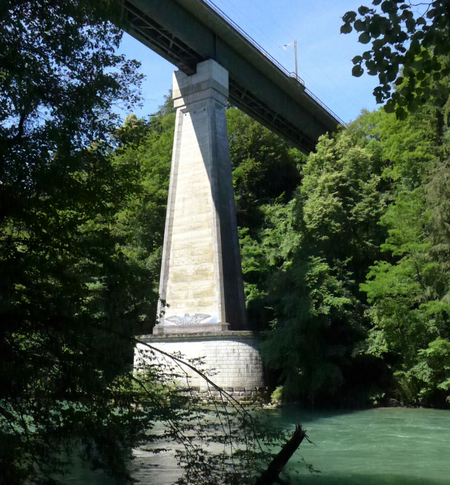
(277, 464)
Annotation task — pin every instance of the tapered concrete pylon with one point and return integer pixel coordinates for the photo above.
(201, 278)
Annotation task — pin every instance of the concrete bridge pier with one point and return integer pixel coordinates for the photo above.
(201, 276)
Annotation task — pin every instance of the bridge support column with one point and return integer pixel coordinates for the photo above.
(201, 278)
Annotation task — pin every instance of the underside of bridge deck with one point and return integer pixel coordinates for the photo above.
(187, 32)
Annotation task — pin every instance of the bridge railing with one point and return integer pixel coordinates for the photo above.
(325, 107)
(253, 41)
(270, 57)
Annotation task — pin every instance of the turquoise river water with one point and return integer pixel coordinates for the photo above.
(388, 446)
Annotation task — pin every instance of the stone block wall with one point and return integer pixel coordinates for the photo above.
(230, 359)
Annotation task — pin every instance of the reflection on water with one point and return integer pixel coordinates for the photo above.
(375, 447)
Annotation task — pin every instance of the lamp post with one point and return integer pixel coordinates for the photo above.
(293, 44)
(295, 53)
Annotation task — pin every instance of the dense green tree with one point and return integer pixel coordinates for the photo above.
(69, 286)
(265, 177)
(376, 192)
(318, 307)
(408, 291)
(264, 252)
(147, 146)
(400, 290)
(264, 168)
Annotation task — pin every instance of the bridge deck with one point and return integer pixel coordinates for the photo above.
(186, 32)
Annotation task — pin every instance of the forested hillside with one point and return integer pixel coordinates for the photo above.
(344, 253)
(351, 275)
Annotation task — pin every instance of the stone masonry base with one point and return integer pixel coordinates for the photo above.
(231, 360)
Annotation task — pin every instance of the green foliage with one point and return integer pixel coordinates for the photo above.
(353, 271)
(303, 343)
(409, 303)
(409, 50)
(408, 289)
(277, 395)
(399, 284)
(264, 168)
(407, 147)
(269, 250)
(74, 282)
(147, 146)
(314, 293)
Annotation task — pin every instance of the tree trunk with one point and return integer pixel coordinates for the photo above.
(279, 461)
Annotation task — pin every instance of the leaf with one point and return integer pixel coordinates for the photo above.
(360, 25)
(357, 71)
(375, 26)
(364, 38)
(363, 10)
(371, 68)
(391, 72)
(442, 49)
(388, 6)
(389, 107)
(413, 105)
(411, 25)
(349, 17)
(346, 29)
(401, 113)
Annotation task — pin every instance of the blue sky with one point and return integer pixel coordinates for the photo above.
(324, 55)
